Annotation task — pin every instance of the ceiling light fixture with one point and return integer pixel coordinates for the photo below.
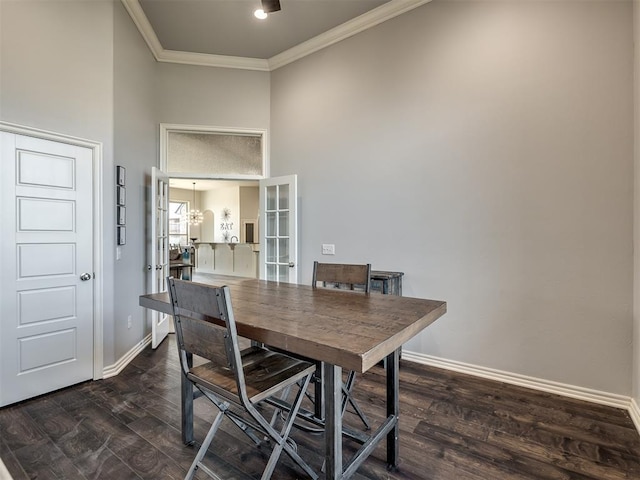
(195, 215)
(268, 6)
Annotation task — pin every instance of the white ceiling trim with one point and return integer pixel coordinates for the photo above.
(367, 20)
(142, 22)
(209, 60)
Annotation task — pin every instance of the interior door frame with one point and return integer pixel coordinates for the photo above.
(98, 230)
(163, 161)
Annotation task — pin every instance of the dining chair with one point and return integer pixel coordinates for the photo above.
(236, 380)
(352, 277)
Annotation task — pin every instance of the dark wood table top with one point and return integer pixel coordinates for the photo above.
(340, 327)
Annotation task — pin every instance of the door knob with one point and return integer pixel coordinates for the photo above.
(291, 264)
(85, 276)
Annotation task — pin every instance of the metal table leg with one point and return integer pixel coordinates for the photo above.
(187, 406)
(393, 386)
(332, 380)
(318, 393)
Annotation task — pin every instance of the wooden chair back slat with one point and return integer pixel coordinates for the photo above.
(204, 339)
(203, 323)
(341, 273)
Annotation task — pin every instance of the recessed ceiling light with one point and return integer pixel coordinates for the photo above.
(260, 14)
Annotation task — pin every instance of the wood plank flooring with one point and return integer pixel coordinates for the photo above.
(453, 427)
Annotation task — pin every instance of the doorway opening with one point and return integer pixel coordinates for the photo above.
(216, 171)
(226, 242)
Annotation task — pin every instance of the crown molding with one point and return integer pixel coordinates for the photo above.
(209, 60)
(384, 12)
(144, 27)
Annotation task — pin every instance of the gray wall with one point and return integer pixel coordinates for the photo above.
(82, 69)
(636, 283)
(486, 150)
(56, 73)
(148, 93)
(135, 148)
(219, 97)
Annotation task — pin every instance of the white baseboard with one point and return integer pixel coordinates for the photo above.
(634, 411)
(116, 368)
(580, 393)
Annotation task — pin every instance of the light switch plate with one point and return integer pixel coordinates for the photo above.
(328, 249)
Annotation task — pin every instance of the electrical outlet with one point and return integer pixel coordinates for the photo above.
(328, 249)
(129, 321)
(118, 253)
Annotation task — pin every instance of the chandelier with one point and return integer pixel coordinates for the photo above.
(195, 215)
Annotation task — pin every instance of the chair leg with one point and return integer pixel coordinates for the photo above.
(347, 397)
(205, 446)
(286, 430)
(280, 438)
(246, 428)
(276, 411)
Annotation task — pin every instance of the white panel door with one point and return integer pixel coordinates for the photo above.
(46, 262)
(279, 229)
(159, 252)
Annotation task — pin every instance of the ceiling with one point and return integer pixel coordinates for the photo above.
(228, 27)
(225, 33)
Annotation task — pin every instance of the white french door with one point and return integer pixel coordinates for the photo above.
(158, 266)
(47, 265)
(279, 229)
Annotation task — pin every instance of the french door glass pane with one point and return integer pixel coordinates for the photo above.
(272, 193)
(283, 197)
(283, 273)
(283, 224)
(271, 250)
(283, 256)
(178, 229)
(271, 272)
(271, 224)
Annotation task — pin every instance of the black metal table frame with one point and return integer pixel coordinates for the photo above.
(417, 315)
(332, 420)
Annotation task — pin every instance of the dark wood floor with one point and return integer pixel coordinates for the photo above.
(453, 427)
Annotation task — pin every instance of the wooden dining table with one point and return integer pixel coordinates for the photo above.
(339, 329)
